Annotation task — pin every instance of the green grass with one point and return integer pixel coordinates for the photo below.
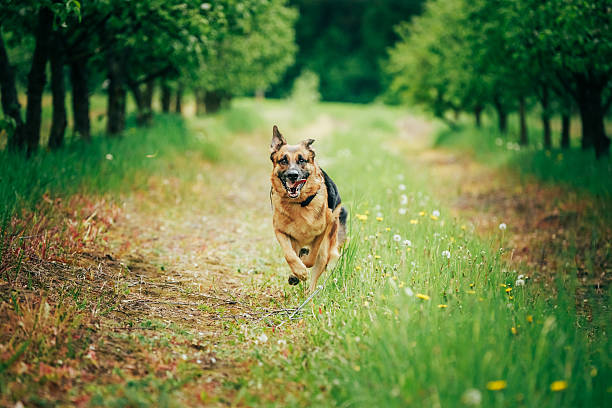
(573, 167)
(116, 164)
(370, 340)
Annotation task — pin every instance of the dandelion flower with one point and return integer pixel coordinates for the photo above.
(379, 218)
(442, 306)
(422, 296)
(519, 282)
(376, 256)
(558, 386)
(403, 199)
(407, 243)
(422, 213)
(530, 318)
(361, 217)
(397, 238)
(402, 211)
(508, 290)
(497, 385)
(388, 229)
(514, 331)
(109, 156)
(433, 217)
(502, 226)
(414, 221)
(446, 254)
(435, 213)
(471, 292)
(401, 187)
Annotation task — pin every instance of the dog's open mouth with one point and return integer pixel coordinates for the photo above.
(293, 189)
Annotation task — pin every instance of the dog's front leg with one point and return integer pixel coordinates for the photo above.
(295, 263)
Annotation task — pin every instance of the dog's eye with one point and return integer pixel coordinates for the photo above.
(283, 161)
(301, 160)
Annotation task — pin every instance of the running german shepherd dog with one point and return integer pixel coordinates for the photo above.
(309, 222)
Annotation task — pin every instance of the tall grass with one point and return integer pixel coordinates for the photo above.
(574, 167)
(116, 164)
(422, 312)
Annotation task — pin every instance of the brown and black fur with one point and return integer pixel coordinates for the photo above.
(309, 222)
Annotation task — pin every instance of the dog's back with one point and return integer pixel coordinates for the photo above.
(333, 201)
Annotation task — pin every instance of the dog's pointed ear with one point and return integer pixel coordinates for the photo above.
(277, 140)
(306, 143)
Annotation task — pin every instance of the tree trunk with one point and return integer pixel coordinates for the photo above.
(592, 115)
(478, 116)
(147, 101)
(502, 116)
(117, 93)
(10, 102)
(80, 99)
(544, 101)
(165, 98)
(36, 79)
(565, 130)
(58, 91)
(200, 101)
(177, 101)
(213, 100)
(523, 139)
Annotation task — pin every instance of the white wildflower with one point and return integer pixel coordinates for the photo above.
(471, 397)
(109, 156)
(502, 226)
(435, 213)
(401, 187)
(397, 238)
(379, 214)
(402, 211)
(407, 243)
(403, 199)
(446, 254)
(282, 342)
(262, 338)
(408, 291)
(519, 282)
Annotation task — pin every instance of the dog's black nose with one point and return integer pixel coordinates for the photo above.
(292, 175)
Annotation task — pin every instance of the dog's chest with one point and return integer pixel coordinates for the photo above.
(302, 224)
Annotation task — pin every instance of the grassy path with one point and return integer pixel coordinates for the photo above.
(424, 307)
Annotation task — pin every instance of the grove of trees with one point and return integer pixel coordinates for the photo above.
(465, 55)
(214, 49)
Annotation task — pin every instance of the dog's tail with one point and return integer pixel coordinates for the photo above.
(342, 231)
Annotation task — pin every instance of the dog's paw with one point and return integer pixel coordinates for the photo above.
(293, 280)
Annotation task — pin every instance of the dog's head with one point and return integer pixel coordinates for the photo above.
(293, 164)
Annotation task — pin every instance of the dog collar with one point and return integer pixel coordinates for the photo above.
(308, 200)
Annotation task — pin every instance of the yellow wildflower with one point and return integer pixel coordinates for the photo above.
(471, 292)
(503, 285)
(558, 386)
(463, 227)
(514, 331)
(508, 290)
(442, 306)
(471, 285)
(356, 368)
(376, 256)
(379, 218)
(388, 229)
(422, 213)
(367, 212)
(433, 217)
(401, 284)
(496, 385)
(358, 268)
(408, 249)
(362, 217)
(530, 318)
(422, 296)
(414, 221)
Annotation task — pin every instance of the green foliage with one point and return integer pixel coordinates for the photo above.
(250, 47)
(343, 42)
(305, 89)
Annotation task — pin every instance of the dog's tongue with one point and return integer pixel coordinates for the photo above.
(297, 183)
